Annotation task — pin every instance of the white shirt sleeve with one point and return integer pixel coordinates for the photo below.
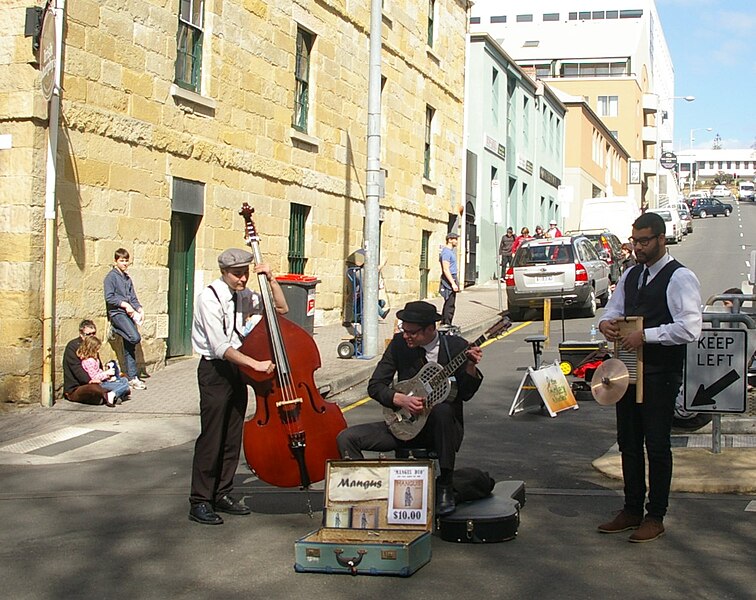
(684, 302)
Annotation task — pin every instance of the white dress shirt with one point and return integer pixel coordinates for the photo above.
(683, 300)
(216, 326)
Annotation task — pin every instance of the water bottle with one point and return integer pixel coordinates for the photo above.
(593, 332)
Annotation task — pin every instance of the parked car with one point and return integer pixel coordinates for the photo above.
(720, 191)
(609, 248)
(672, 222)
(694, 197)
(685, 217)
(710, 206)
(567, 270)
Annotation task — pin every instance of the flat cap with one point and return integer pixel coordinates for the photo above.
(234, 257)
(452, 236)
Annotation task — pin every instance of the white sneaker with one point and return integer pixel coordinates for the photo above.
(137, 384)
(110, 399)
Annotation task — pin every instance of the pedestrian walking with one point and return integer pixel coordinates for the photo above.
(505, 250)
(449, 283)
(523, 237)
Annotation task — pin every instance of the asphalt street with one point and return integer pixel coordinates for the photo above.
(116, 526)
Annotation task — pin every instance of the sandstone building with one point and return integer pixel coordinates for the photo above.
(173, 113)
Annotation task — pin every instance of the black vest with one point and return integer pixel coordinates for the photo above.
(651, 304)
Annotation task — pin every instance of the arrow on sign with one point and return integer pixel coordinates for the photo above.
(705, 396)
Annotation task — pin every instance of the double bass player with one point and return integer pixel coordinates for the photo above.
(219, 319)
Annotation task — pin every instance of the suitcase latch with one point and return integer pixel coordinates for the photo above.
(470, 528)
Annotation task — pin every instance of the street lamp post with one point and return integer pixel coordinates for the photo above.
(692, 160)
(692, 131)
(658, 149)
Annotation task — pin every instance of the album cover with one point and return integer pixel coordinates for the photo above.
(365, 517)
(338, 516)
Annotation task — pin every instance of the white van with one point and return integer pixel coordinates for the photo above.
(672, 222)
(615, 213)
(746, 191)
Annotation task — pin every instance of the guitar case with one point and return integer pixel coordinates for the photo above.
(485, 521)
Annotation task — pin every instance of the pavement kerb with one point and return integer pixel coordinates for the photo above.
(698, 470)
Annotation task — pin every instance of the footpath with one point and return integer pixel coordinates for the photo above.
(166, 413)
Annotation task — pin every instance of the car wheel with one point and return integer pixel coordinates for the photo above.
(702, 214)
(727, 212)
(589, 308)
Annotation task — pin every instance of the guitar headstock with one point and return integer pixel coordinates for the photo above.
(250, 231)
(499, 327)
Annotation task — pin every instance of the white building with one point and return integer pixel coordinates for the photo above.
(611, 52)
(706, 163)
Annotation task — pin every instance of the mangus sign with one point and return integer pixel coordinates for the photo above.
(668, 160)
(47, 54)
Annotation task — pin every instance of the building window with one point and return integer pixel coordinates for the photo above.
(573, 16)
(429, 113)
(526, 120)
(543, 71)
(570, 70)
(630, 14)
(424, 263)
(302, 77)
(597, 14)
(431, 11)
(530, 44)
(608, 106)
(524, 18)
(189, 45)
(614, 134)
(474, 20)
(584, 15)
(495, 96)
(612, 14)
(297, 222)
(499, 19)
(550, 16)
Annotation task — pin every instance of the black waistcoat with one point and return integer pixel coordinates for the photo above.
(651, 304)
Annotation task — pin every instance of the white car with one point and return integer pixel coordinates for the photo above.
(720, 191)
(672, 222)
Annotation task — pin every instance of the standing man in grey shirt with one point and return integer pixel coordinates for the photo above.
(125, 312)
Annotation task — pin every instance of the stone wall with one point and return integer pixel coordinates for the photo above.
(126, 132)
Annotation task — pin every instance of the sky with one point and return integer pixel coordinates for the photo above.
(713, 48)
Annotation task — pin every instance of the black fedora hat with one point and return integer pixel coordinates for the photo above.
(422, 313)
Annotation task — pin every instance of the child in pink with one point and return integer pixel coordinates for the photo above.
(88, 352)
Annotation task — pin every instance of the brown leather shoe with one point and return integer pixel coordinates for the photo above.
(649, 530)
(622, 522)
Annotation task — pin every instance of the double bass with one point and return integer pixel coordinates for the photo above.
(293, 431)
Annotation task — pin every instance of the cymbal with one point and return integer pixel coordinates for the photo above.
(610, 382)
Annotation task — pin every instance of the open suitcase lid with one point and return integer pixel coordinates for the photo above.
(379, 494)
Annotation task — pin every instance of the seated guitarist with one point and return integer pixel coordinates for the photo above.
(417, 343)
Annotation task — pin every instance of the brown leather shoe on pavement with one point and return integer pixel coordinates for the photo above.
(622, 522)
(649, 530)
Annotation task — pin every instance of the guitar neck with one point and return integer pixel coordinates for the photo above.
(456, 362)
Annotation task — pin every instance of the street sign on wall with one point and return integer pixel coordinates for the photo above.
(668, 160)
(715, 369)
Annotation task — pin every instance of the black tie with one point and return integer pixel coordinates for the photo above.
(645, 278)
(234, 297)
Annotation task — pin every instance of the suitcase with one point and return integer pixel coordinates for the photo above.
(377, 519)
(492, 519)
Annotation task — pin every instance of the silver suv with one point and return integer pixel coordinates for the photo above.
(568, 270)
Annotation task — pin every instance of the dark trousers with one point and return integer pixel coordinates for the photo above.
(89, 393)
(648, 423)
(124, 326)
(223, 404)
(442, 433)
(450, 301)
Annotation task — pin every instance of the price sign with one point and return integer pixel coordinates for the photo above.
(408, 495)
